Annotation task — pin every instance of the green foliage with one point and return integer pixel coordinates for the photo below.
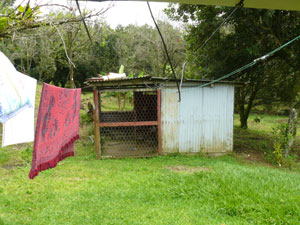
(141, 74)
(278, 153)
(4, 157)
(3, 23)
(6, 3)
(12, 20)
(43, 52)
(85, 118)
(281, 140)
(265, 141)
(42, 55)
(117, 101)
(140, 49)
(281, 133)
(26, 154)
(121, 70)
(246, 35)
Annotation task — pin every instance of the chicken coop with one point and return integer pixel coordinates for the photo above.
(142, 117)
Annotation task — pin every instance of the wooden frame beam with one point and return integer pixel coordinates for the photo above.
(129, 124)
(159, 122)
(96, 122)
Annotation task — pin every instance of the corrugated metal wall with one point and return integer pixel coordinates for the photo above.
(201, 122)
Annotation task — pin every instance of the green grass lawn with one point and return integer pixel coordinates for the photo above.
(241, 188)
(82, 190)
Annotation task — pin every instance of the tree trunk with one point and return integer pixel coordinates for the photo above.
(119, 101)
(245, 97)
(240, 99)
(124, 102)
(292, 130)
(244, 120)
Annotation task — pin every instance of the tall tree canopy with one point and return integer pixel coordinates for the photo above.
(60, 51)
(141, 49)
(247, 35)
(50, 47)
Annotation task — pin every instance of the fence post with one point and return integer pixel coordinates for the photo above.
(159, 121)
(96, 124)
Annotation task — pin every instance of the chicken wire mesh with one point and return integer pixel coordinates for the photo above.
(128, 124)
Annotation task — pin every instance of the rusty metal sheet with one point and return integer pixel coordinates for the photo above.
(169, 120)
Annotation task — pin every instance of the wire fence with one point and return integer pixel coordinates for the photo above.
(129, 124)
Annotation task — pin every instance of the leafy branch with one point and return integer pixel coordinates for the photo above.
(22, 18)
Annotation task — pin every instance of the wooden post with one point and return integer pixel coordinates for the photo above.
(159, 121)
(96, 124)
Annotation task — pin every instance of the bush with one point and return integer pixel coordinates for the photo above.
(281, 138)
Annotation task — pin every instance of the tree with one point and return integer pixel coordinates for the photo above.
(247, 35)
(21, 18)
(51, 51)
(141, 49)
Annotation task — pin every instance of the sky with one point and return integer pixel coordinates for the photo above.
(124, 13)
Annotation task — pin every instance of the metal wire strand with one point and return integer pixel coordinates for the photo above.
(255, 61)
(224, 21)
(82, 18)
(240, 4)
(166, 50)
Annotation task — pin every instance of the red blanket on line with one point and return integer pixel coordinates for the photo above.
(57, 127)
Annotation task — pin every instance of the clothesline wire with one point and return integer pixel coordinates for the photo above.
(240, 4)
(255, 61)
(166, 50)
(219, 27)
(83, 21)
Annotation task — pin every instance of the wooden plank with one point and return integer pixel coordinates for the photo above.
(128, 90)
(96, 127)
(159, 121)
(124, 83)
(128, 156)
(129, 124)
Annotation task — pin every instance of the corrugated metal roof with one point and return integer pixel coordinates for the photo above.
(137, 80)
(99, 80)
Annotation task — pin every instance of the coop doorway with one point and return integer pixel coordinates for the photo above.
(129, 123)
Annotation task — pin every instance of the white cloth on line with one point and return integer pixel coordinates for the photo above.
(13, 99)
(20, 128)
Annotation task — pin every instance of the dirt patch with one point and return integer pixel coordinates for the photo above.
(252, 157)
(181, 168)
(282, 120)
(12, 166)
